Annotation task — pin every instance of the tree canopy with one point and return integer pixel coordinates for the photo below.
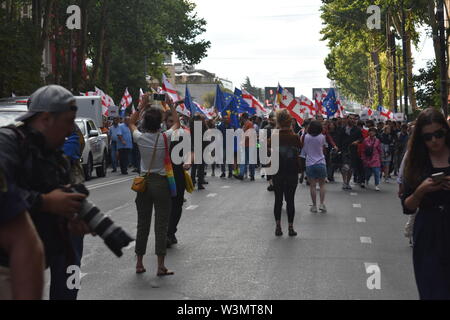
(124, 39)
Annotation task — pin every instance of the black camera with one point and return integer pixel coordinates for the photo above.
(159, 97)
(114, 236)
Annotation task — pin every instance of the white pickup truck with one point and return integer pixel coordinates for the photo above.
(95, 153)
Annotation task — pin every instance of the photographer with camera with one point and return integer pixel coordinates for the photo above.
(31, 154)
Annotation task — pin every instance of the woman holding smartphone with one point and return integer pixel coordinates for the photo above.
(427, 192)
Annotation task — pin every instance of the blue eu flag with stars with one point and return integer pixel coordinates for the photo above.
(242, 105)
(330, 103)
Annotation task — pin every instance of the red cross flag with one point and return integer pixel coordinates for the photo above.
(341, 110)
(106, 100)
(318, 99)
(168, 88)
(310, 110)
(141, 95)
(127, 99)
(386, 113)
(296, 110)
(254, 103)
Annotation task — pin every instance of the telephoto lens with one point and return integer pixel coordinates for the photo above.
(114, 236)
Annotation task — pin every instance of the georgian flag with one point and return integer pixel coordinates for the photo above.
(298, 112)
(341, 110)
(106, 100)
(141, 95)
(253, 103)
(310, 110)
(127, 99)
(318, 99)
(385, 113)
(170, 90)
(287, 101)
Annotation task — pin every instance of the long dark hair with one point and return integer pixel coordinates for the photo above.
(418, 156)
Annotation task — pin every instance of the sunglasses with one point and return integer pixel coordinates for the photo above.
(439, 134)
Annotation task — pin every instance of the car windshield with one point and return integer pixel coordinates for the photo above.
(9, 117)
(81, 126)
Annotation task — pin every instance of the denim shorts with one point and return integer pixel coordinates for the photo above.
(317, 171)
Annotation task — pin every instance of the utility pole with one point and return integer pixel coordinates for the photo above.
(405, 59)
(443, 58)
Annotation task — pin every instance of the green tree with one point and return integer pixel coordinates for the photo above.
(427, 82)
(255, 91)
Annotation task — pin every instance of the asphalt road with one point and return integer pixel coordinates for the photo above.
(228, 250)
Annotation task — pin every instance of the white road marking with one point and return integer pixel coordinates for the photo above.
(357, 205)
(211, 195)
(109, 183)
(226, 187)
(193, 207)
(353, 194)
(366, 240)
(360, 220)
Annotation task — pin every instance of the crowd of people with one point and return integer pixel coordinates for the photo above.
(40, 218)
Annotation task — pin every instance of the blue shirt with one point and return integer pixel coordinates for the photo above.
(71, 147)
(113, 131)
(126, 135)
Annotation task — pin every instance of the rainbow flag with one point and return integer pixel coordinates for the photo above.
(169, 170)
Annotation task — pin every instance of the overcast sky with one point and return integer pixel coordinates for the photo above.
(270, 41)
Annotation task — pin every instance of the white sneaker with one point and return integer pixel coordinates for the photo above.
(313, 209)
(376, 188)
(322, 208)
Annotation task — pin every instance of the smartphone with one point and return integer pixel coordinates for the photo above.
(159, 97)
(438, 177)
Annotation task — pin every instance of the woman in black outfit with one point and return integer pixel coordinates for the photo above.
(198, 170)
(428, 154)
(178, 200)
(286, 179)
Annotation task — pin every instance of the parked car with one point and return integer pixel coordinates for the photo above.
(11, 109)
(95, 153)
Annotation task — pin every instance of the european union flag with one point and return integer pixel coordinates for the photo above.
(242, 105)
(330, 103)
(189, 104)
(219, 101)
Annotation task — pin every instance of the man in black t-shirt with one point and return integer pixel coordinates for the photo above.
(350, 136)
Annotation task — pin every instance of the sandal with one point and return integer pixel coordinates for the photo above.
(140, 270)
(164, 272)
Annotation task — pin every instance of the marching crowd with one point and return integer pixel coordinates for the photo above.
(310, 153)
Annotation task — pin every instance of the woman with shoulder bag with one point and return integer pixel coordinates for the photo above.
(154, 149)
